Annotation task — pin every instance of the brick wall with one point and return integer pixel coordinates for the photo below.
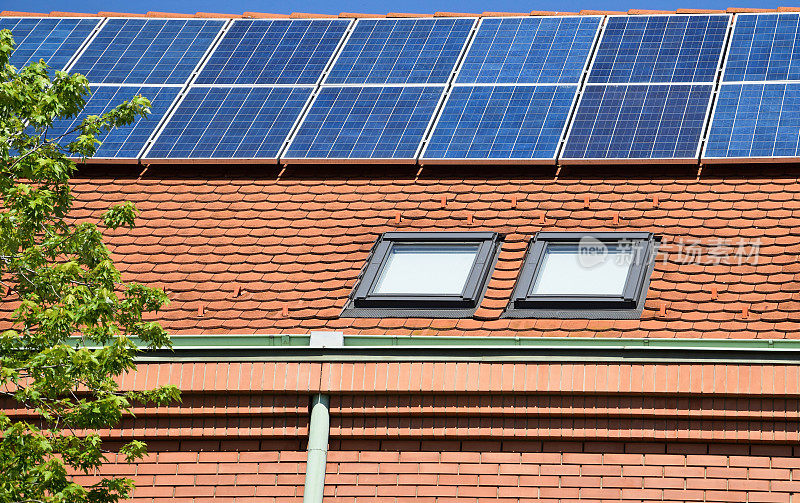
(470, 432)
(211, 470)
(477, 471)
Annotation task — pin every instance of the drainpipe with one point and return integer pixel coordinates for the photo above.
(319, 427)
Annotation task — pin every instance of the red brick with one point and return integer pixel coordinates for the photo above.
(357, 491)
(642, 494)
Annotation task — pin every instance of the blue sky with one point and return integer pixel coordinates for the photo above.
(336, 6)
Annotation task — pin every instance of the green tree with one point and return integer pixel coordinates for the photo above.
(74, 321)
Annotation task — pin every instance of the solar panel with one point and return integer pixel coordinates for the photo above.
(54, 40)
(366, 123)
(230, 123)
(147, 51)
(126, 141)
(401, 51)
(273, 52)
(529, 50)
(655, 121)
(676, 48)
(501, 122)
(756, 121)
(764, 47)
(759, 99)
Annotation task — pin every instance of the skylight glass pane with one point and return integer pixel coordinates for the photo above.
(417, 269)
(577, 269)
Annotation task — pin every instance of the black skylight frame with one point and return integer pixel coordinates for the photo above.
(364, 303)
(629, 305)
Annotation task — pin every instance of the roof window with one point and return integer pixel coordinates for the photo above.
(585, 275)
(431, 274)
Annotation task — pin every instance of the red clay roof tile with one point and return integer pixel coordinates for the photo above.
(455, 14)
(640, 12)
(215, 15)
(590, 12)
(263, 15)
(699, 11)
(301, 242)
(305, 15)
(504, 14)
(405, 14)
(70, 14)
(737, 10)
(299, 15)
(118, 14)
(14, 13)
(360, 15)
(167, 14)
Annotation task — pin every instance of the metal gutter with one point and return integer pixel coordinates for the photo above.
(291, 347)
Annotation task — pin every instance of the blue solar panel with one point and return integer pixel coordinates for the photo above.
(501, 122)
(529, 50)
(659, 49)
(126, 141)
(401, 51)
(231, 123)
(638, 122)
(756, 120)
(366, 123)
(52, 39)
(273, 52)
(147, 51)
(764, 47)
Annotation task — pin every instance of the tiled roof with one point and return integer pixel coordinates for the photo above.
(632, 12)
(262, 253)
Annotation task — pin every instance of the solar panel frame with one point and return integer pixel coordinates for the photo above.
(328, 63)
(134, 158)
(721, 56)
(146, 155)
(97, 22)
(423, 159)
(636, 160)
(73, 67)
(366, 82)
(586, 63)
(288, 159)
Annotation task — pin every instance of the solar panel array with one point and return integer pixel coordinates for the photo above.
(515, 90)
(230, 123)
(579, 89)
(383, 91)
(251, 91)
(126, 141)
(755, 116)
(55, 40)
(371, 122)
(401, 51)
(529, 50)
(649, 89)
(280, 51)
(147, 51)
(151, 57)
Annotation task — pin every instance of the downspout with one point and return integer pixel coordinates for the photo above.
(319, 426)
(318, 429)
